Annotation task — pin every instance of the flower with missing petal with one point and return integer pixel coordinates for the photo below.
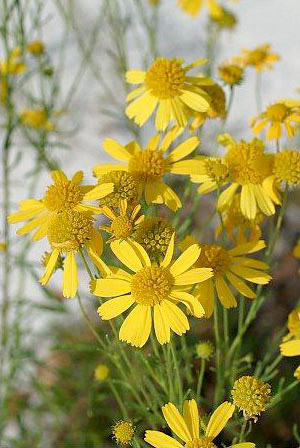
(186, 427)
(277, 116)
(148, 166)
(69, 232)
(63, 195)
(230, 270)
(154, 289)
(165, 85)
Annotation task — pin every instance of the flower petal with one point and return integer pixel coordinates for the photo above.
(219, 419)
(70, 277)
(225, 294)
(205, 293)
(226, 197)
(184, 149)
(247, 248)
(50, 267)
(110, 287)
(114, 307)
(193, 276)
(185, 260)
(127, 255)
(177, 319)
(160, 440)
(99, 192)
(240, 286)
(115, 150)
(169, 253)
(176, 422)
(191, 417)
(290, 348)
(190, 301)
(161, 325)
(248, 202)
(252, 275)
(137, 326)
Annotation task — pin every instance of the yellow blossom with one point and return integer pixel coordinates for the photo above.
(291, 342)
(14, 64)
(251, 395)
(166, 86)
(36, 119)
(153, 289)
(193, 7)
(205, 350)
(260, 57)
(154, 235)
(231, 73)
(35, 47)
(101, 372)
(217, 107)
(223, 18)
(123, 225)
(149, 166)
(287, 167)
(123, 432)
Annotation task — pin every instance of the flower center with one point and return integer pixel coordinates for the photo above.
(216, 170)
(62, 196)
(69, 231)
(277, 112)
(257, 56)
(287, 167)
(165, 78)
(125, 187)
(123, 432)
(215, 257)
(154, 234)
(147, 165)
(247, 162)
(251, 395)
(151, 285)
(202, 442)
(122, 226)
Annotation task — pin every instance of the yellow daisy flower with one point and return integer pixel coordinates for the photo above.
(277, 115)
(286, 167)
(186, 427)
(14, 64)
(223, 18)
(62, 196)
(148, 166)
(217, 107)
(101, 372)
(152, 287)
(122, 226)
(67, 233)
(123, 432)
(35, 47)
(291, 342)
(260, 57)
(247, 168)
(251, 395)
(193, 7)
(36, 119)
(239, 228)
(165, 84)
(231, 73)
(230, 269)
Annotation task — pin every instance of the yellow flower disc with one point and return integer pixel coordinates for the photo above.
(165, 78)
(151, 285)
(123, 432)
(251, 395)
(147, 165)
(68, 231)
(125, 187)
(62, 196)
(287, 167)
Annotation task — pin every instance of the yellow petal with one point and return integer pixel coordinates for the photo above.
(33, 224)
(240, 286)
(142, 254)
(250, 262)
(195, 101)
(205, 294)
(70, 278)
(259, 277)
(290, 348)
(135, 76)
(114, 307)
(225, 294)
(177, 319)
(58, 176)
(184, 149)
(226, 197)
(163, 114)
(137, 326)
(169, 253)
(99, 192)
(219, 419)
(170, 136)
(191, 417)
(178, 112)
(190, 301)
(176, 422)
(247, 248)
(274, 131)
(99, 170)
(195, 275)
(160, 440)
(248, 202)
(142, 108)
(26, 213)
(243, 445)
(115, 150)
(264, 202)
(50, 267)
(186, 260)
(127, 255)
(110, 287)
(186, 167)
(77, 178)
(161, 325)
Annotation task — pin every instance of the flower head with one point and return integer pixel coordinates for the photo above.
(186, 426)
(14, 64)
(154, 235)
(63, 195)
(230, 270)
(278, 115)
(35, 47)
(205, 350)
(231, 73)
(251, 396)
(101, 372)
(291, 342)
(153, 288)
(123, 225)
(287, 167)
(297, 373)
(260, 58)
(36, 119)
(223, 18)
(247, 168)
(147, 167)
(165, 84)
(217, 107)
(123, 432)
(67, 233)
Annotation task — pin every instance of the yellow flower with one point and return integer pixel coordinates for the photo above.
(296, 251)
(297, 373)
(148, 166)
(154, 235)
(35, 47)
(36, 119)
(123, 432)
(122, 226)
(154, 2)
(193, 7)
(230, 269)
(287, 167)
(3, 90)
(277, 115)
(217, 107)
(186, 427)
(101, 372)
(231, 73)
(238, 227)
(62, 196)
(14, 64)
(67, 233)
(165, 84)
(223, 18)
(152, 287)
(248, 169)
(260, 57)
(205, 350)
(291, 342)
(251, 396)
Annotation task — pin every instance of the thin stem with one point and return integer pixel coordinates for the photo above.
(218, 354)
(89, 323)
(200, 380)
(278, 397)
(178, 377)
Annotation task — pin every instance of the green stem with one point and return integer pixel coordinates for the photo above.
(200, 380)
(218, 354)
(177, 371)
(278, 397)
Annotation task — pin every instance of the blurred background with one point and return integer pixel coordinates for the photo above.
(52, 399)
